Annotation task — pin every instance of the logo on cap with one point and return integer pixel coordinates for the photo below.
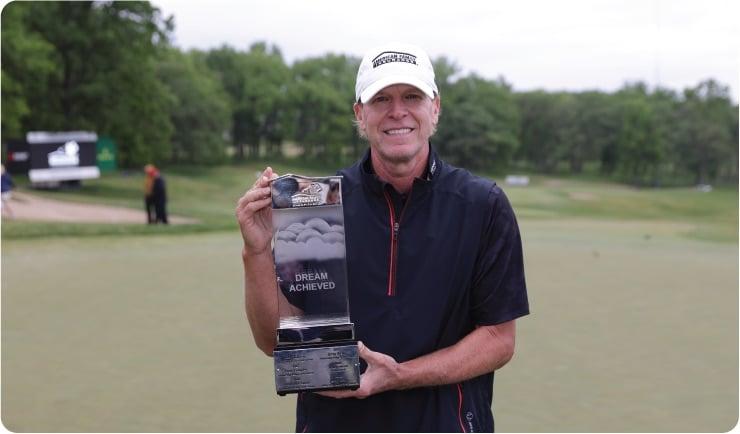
(393, 56)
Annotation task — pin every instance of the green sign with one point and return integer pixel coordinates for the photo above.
(106, 154)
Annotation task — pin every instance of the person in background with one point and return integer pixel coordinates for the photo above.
(149, 171)
(7, 187)
(155, 195)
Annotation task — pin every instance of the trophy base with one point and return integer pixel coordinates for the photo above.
(313, 368)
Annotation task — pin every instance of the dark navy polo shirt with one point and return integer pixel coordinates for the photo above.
(423, 273)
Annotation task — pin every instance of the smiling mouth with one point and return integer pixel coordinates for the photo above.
(398, 131)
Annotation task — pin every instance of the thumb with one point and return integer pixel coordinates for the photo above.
(269, 173)
(365, 352)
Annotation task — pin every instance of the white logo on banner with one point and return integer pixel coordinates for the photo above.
(67, 155)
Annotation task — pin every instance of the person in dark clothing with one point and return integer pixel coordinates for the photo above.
(7, 187)
(155, 195)
(149, 171)
(434, 265)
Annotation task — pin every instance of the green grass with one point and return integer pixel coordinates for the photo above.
(209, 194)
(627, 333)
(148, 333)
(141, 328)
(709, 216)
(118, 328)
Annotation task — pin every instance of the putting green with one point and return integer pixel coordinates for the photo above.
(632, 329)
(132, 334)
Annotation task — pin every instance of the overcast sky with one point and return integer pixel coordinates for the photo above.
(555, 45)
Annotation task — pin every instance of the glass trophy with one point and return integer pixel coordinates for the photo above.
(316, 346)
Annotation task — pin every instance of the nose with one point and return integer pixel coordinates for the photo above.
(398, 109)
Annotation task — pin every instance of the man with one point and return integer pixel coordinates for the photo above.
(7, 192)
(155, 195)
(434, 261)
(149, 171)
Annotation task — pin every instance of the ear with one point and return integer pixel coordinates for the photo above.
(359, 115)
(436, 109)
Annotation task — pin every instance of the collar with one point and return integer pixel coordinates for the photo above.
(377, 185)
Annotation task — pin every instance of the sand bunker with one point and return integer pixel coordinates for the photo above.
(26, 206)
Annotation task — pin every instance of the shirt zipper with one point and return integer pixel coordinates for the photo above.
(395, 227)
(459, 406)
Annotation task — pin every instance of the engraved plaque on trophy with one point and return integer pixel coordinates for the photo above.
(316, 346)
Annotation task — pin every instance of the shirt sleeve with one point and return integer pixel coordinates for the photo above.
(499, 292)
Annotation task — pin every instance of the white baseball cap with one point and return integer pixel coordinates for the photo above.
(394, 63)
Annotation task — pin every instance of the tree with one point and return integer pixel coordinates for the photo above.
(479, 124)
(707, 126)
(263, 101)
(594, 126)
(27, 62)
(256, 84)
(445, 73)
(640, 148)
(200, 109)
(228, 65)
(87, 77)
(321, 94)
(540, 142)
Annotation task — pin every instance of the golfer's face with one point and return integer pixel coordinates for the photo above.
(398, 122)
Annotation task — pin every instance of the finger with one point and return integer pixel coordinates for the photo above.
(258, 205)
(365, 353)
(249, 208)
(255, 193)
(337, 394)
(362, 349)
(257, 178)
(270, 173)
(248, 198)
(262, 181)
(264, 178)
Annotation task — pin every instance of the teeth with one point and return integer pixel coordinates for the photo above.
(399, 131)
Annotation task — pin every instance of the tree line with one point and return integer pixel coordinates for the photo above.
(110, 67)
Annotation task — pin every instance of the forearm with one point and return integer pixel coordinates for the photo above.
(483, 350)
(260, 298)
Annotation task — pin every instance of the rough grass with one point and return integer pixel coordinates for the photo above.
(209, 194)
(709, 216)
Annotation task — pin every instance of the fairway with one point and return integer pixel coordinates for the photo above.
(633, 328)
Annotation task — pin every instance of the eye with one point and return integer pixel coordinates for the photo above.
(379, 99)
(413, 97)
